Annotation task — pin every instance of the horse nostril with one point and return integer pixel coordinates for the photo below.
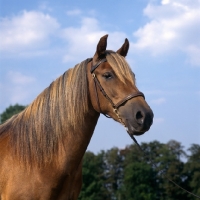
(139, 117)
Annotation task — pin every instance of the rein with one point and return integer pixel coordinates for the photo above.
(115, 109)
(118, 104)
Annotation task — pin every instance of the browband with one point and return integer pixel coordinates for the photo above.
(95, 66)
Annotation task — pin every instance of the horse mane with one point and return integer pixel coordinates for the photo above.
(36, 132)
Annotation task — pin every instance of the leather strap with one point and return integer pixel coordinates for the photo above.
(133, 95)
(102, 90)
(97, 83)
(97, 97)
(95, 66)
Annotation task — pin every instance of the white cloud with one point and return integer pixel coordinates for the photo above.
(82, 40)
(30, 33)
(17, 88)
(28, 30)
(165, 2)
(19, 78)
(158, 101)
(173, 25)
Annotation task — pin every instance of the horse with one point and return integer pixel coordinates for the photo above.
(41, 148)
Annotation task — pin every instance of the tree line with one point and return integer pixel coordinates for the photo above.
(119, 174)
(126, 174)
(10, 111)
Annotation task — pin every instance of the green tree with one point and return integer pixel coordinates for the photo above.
(166, 162)
(129, 174)
(192, 170)
(139, 176)
(113, 172)
(10, 111)
(173, 166)
(93, 177)
(139, 182)
(145, 175)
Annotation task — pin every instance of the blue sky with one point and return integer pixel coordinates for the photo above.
(40, 40)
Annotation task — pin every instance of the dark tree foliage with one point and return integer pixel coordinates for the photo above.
(192, 169)
(129, 174)
(139, 175)
(93, 177)
(10, 111)
(113, 172)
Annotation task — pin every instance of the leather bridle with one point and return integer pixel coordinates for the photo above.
(118, 104)
(115, 108)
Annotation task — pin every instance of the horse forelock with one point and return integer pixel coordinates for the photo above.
(35, 132)
(120, 67)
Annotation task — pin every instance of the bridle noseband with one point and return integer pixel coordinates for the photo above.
(118, 104)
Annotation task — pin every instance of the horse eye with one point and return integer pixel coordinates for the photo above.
(107, 75)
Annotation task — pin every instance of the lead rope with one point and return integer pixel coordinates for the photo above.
(162, 171)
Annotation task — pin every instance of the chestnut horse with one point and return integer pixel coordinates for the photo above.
(41, 148)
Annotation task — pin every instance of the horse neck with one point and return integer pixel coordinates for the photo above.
(76, 141)
(36, 135)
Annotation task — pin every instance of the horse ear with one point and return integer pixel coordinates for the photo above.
(101, 46)
(124, 48)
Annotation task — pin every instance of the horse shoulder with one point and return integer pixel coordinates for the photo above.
(6, 160)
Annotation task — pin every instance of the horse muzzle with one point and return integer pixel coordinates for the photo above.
(136, 118)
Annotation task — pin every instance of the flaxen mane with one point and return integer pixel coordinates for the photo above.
(37, 130)
(120, 67)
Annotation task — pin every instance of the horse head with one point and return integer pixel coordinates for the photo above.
(113, 91)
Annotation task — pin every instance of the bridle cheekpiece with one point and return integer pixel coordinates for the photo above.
(118, 104)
